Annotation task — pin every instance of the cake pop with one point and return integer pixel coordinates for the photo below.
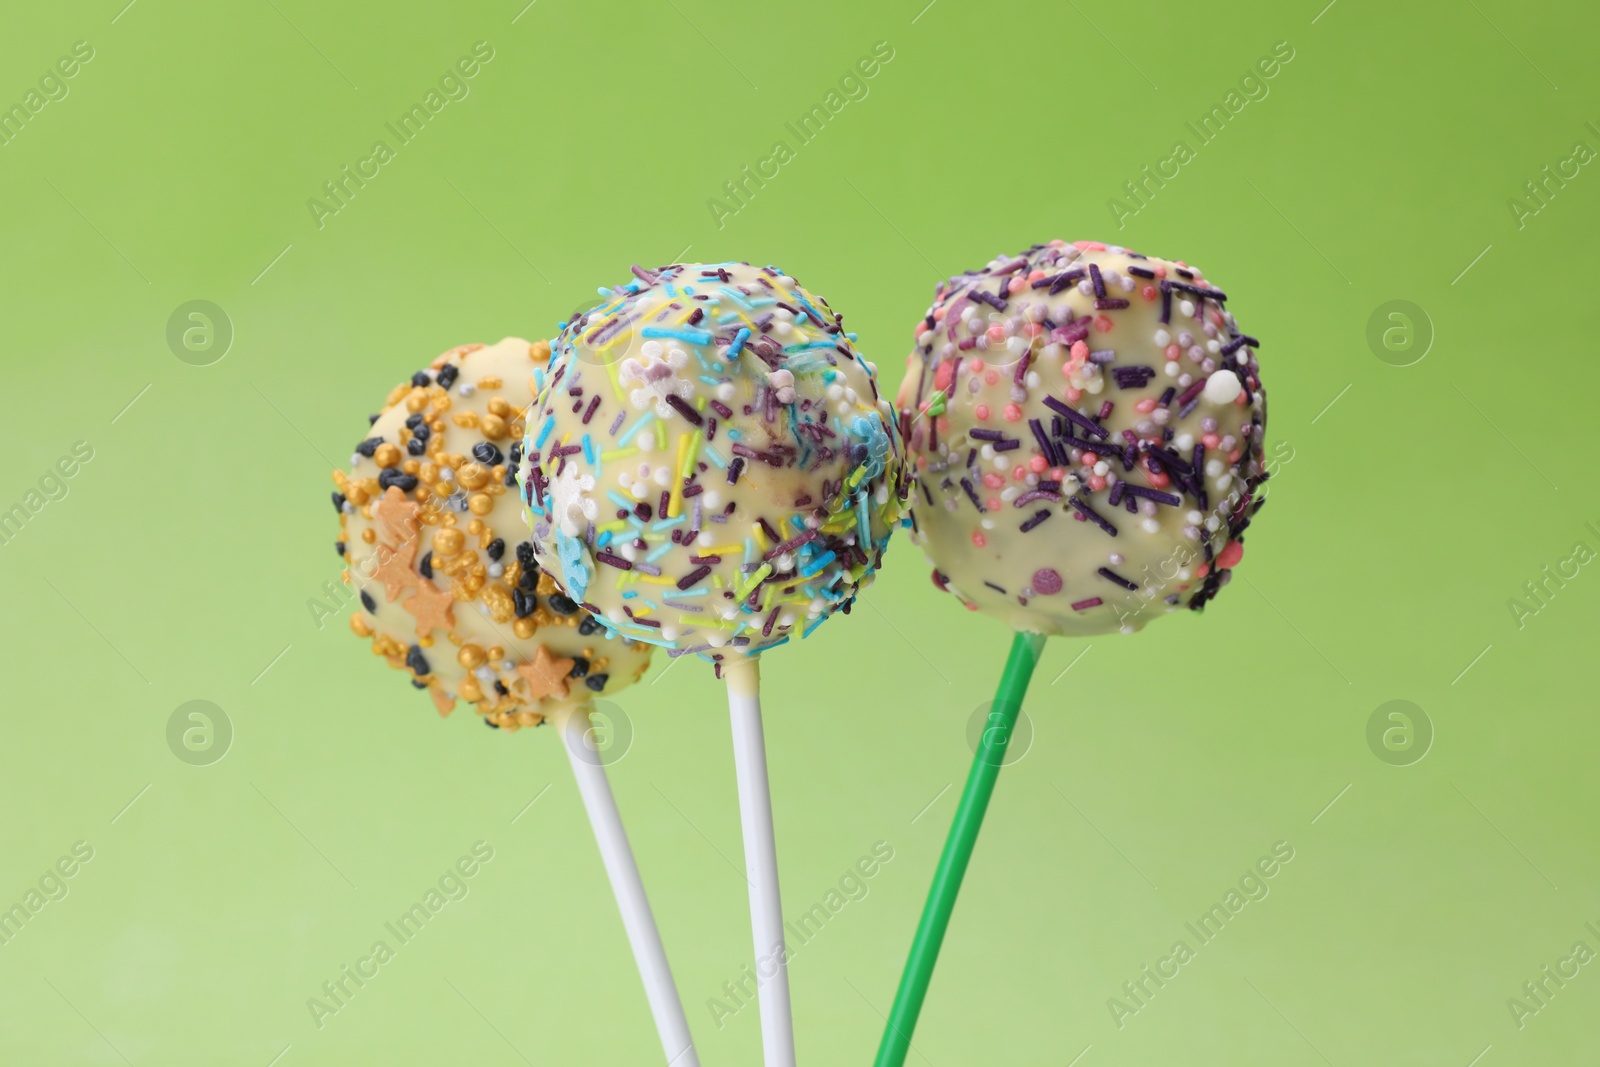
(710, 468)
(1085, 426)
(430, 526)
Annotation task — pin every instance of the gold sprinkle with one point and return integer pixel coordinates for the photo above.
(496, 654)
(359, 624)
(470, 656)
(524, 628)
(387, 455)
(491, 382)
(494, 427)
(480, 503)
(472, 476)
(448, 541)
(416, 401)
(465, 419)
(369, 535)
(475, 526)
(499, 406)
(539, 351)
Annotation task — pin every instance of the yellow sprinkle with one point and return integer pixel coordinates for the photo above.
(614, 525)
(675, 499)
(655, 579)
(618, 453)
(761, 536)
(721, 550)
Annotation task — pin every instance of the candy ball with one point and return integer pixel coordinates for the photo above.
(431, 529)
(709, 466)
(1085, 426)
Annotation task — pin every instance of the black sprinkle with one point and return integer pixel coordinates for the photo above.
(500, 687)
(562, 604)
(338, 546)
(447, 375)
(421, 379)
(425, 565)
(496, 549)
(529, 581)
(597, 682)
(487, 454)
(338, 501)
(368, 603)
(369, 446)
(580, 667)
(523, 603)
(395, 476)
(589, 626)
(417, 661)
(525, 554)
(417, 446)
(490, 723)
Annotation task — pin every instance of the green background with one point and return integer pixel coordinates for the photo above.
(180, 564)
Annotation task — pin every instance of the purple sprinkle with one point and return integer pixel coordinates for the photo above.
(1093, 516)
(1110, 303)
(682, 407)
(1141, 272)
(616, 423)
(722, 409)
(1084, 605)
(986, 435)
(688, 580)
(1170, 499)
(1099, 282)
(1034, 520)
(1166, 303)
(972, 494)
(613, 561)
(1112, 576)
(1092, 428)
(1046, 581)
(1036, 494)
(1007, 445)
(733, 471)
(1116, 493)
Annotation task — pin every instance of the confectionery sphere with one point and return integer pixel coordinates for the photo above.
(1084, 427)
(709, 466)
(432, 532)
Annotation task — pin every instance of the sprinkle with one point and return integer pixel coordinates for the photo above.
(693, 576)
(1038, 517)
(613, 561)
(1112, 576)
(1093, 516)
(682, 407)
(738, 345)
(1159, 497)
(1089, 426)
(1084, 605)
(688, 336)
(1098, 282)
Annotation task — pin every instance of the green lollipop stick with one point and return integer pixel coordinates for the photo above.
(991, 754)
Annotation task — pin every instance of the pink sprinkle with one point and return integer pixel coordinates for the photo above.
(997, 334)
(1145, 406)
(978, 538)
(1084, 605)
(1013, 413)
(1038, 464)
(1016, 285)
(1046, 582)
(1073, 395)
(994, 503)
(1231, 554)
(991, 376)
(974, 365)
(982, 411)
(991, 480)
(1103, 323)
(1096, 482)
(1172, 352)
(1019, 473)
(1149, 292)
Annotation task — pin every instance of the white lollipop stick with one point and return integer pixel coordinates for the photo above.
(628, 888)
(760, 860)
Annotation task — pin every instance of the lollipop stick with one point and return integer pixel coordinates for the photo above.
(760, 861)
(958, 850)
(628, 888)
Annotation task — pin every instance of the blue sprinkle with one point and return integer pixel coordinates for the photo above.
(817, 564)
(657, 553)
(688, 335)
(544, 433)
(588, 450)
(635, 428)
(738, 343)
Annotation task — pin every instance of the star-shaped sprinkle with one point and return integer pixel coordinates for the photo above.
(394, 568)
(442, 700)
(397, 513)
(432, 607)
(546, 675)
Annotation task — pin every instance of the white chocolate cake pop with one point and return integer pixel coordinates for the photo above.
(710, 467)
(432, 530)
(1085, 429)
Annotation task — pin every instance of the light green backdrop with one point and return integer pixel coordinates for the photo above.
(1411, 504)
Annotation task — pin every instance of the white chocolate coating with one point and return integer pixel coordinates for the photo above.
(1081, 465)
(710, 467)
(432, 531)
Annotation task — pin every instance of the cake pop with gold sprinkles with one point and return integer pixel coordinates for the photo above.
(432, 534)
